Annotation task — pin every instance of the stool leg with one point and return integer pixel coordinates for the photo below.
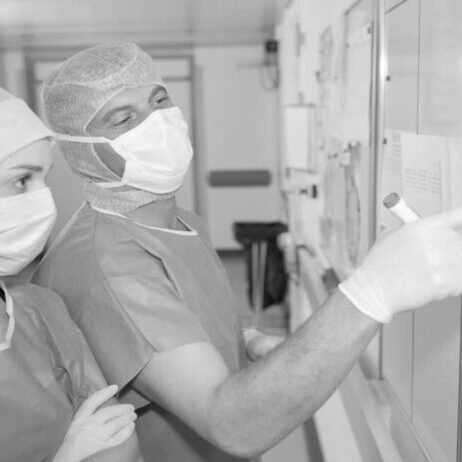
(259, 256)
(261, 286)
(254, 261)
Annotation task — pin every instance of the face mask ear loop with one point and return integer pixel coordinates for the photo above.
(6, 344)
(82, 139)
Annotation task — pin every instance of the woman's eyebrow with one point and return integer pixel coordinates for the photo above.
(33, 168)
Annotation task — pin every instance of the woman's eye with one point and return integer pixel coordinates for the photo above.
(22, 182)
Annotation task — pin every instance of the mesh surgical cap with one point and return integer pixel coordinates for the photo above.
(75, 92)
(19, 126)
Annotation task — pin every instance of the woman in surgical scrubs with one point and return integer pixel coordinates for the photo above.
(52, 394)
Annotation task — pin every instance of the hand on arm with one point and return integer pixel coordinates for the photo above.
(258, 344)
(94, 429)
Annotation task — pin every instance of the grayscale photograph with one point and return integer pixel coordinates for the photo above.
(230, 230)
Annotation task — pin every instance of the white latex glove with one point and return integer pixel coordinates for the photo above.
(418, 263)
(258, 344)
(93, 430)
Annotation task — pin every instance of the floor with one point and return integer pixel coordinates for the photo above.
(297, 447)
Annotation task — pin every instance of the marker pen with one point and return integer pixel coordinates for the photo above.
(395, 203)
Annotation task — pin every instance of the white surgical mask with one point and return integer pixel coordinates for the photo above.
(157, 152)
(26, 221)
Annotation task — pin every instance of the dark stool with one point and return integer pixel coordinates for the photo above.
(255, 238)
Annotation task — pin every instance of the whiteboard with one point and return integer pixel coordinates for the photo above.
(421, 351)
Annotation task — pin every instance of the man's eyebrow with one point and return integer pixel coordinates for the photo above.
(157, 89)
(34, 168)
(107, 117)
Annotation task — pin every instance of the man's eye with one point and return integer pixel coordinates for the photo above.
(122, 121)
(160, 99)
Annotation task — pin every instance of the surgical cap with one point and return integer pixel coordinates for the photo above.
(81, 86)
(19, 126)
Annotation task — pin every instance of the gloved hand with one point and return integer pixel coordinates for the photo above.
(258, 344)
(418, 263)
(92, 430)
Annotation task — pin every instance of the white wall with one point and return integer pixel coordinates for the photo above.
(237, 129)
(14, 75)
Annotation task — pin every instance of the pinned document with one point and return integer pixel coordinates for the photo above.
(424, 170)
(421, 168)
(356, 117)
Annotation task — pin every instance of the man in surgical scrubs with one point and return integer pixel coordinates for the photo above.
(140, 277)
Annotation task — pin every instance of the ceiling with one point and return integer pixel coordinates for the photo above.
(191, 20)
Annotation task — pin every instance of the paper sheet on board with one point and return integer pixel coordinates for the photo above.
(424, 171)
(419, 168)
(356, 123)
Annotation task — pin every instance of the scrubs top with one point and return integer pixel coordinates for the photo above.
(136, 290)
(45, 375)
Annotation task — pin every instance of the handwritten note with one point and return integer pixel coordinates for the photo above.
(422, 169)
(424, 162)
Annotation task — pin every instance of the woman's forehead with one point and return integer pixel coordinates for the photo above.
(37, 154)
